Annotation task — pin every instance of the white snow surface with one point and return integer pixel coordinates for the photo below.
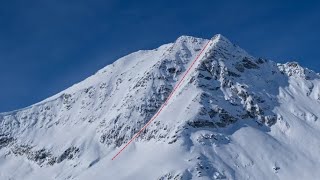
(234, 116)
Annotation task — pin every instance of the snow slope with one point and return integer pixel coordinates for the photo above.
(233, 117)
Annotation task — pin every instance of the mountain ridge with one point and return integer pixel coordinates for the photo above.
(112, 64)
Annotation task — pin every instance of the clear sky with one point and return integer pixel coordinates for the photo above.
(48, 45)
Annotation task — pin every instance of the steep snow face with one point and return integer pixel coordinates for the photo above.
(233, 117)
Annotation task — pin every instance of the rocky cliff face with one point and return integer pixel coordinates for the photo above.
(234, 117)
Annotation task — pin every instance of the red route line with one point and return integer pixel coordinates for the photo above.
(165, 103)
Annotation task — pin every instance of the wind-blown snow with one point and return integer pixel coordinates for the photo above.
(233, 117)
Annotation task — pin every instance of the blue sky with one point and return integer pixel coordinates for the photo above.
(47, 45)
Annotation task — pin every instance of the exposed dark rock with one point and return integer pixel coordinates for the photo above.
(212, 113)
(249, 64)
(119, 141)
(5, 140)
(260, 61)
(200, 75)
(43, 156)
(225, 118)
(172, 70)
(39, 156)
(239, 67)
(69, 153)
(270, 120)
(201, 124)
(230, 73)
(293, 64)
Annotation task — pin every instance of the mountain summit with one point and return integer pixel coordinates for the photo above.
(234, 116)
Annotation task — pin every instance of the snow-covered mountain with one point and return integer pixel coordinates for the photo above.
(233, 117)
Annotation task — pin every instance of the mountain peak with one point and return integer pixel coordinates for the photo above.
(220, 37)
(186, 38)
(217, 37)
(221, 40)
(294, 69)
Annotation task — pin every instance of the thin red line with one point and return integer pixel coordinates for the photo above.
(164, 104)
